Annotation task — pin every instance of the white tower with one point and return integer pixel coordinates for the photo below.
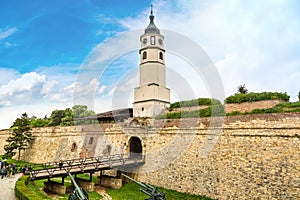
(152, 96)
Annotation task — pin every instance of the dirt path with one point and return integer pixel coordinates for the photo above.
(7, 186)
(101, 190)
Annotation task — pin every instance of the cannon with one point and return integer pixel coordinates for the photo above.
(78, 193)
(150, 190)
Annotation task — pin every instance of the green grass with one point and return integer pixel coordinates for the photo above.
(92, 196)
(132, 191)
(39, 184)
(279, 108)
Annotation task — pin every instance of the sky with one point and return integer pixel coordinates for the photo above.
(46, 47)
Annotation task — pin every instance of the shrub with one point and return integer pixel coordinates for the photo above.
(213, 110)
(194, 102)
(240, 98)
(23, 193)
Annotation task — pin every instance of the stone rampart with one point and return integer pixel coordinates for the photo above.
(236, 157)
(249, 106)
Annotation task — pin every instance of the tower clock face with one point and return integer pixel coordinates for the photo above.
(160, 41)
(145, 41)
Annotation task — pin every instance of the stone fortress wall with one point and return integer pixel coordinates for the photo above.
(252, 156)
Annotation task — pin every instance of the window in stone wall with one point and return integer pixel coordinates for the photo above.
(91, 140)
(108, 147)
(73, 147)
(144, 55)
(161, 55)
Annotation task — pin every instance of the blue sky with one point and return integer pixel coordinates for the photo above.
(43, 45)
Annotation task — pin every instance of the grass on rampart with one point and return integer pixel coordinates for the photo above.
(132, 191)
(38, 186)
(28, 190)
(283, 107)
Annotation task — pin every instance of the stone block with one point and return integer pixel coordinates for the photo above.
(110, 182)
(54, 187)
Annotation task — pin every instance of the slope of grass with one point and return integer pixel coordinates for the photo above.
(132, 191)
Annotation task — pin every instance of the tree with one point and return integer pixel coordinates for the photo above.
(67, 120)
(20, 137)
(56, 117)
(39, 122)
(81, 111)
(242, 89)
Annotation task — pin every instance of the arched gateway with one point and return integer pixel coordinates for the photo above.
(135, 147)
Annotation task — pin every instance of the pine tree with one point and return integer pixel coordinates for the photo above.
(20, 137)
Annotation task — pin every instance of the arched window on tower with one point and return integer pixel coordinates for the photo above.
(161, 56)
(144, 55)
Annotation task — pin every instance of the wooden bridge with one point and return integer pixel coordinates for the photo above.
(86, 165)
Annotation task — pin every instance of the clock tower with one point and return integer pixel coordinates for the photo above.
(152, 96)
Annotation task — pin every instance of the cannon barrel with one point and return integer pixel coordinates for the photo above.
(149, 190)
(144, 185)
(79, 193)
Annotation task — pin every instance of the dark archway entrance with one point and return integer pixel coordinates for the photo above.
(135, 147)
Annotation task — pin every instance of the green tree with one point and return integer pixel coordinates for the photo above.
(81, 111)
(39, 122)
(56, 117)
(20, 137)
(67, 120)
(242, 89)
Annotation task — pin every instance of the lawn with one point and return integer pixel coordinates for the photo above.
(129, 191)
(132, 191)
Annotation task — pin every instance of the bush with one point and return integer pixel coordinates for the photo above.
(24, 193)
(194, 102)
(240, 98)
(213, 110)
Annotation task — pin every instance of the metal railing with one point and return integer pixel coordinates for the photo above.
(83, 165)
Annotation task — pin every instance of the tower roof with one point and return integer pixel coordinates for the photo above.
(151, 28)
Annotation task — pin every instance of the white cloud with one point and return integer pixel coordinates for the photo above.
(8, 74)
(27, 89)
(8, 44)
(7, 32)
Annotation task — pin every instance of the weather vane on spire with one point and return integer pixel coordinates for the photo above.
(151, 9)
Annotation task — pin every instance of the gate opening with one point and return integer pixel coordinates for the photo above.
(135, 148)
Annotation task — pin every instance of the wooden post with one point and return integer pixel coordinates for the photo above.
(91, 176)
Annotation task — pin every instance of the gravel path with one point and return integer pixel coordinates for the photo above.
(7, 186)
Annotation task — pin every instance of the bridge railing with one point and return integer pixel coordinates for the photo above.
(50, 169)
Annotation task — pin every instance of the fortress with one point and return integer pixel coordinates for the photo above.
(254, 157)
(233, 157)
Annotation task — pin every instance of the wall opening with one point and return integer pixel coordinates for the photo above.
(73, 147)
(135, 147)
(91, 140)
(144, 55)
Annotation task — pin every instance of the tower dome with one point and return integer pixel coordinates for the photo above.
(151, 28)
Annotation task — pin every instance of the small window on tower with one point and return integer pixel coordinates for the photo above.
(142, 108)
(144, 55)
(161, 55)
(152, 40)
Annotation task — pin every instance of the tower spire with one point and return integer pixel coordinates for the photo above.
(151, 17)
(151, 28)
(151, 10)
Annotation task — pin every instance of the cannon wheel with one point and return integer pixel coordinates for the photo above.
(77, 196)
(85, 193)
(72, 197)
